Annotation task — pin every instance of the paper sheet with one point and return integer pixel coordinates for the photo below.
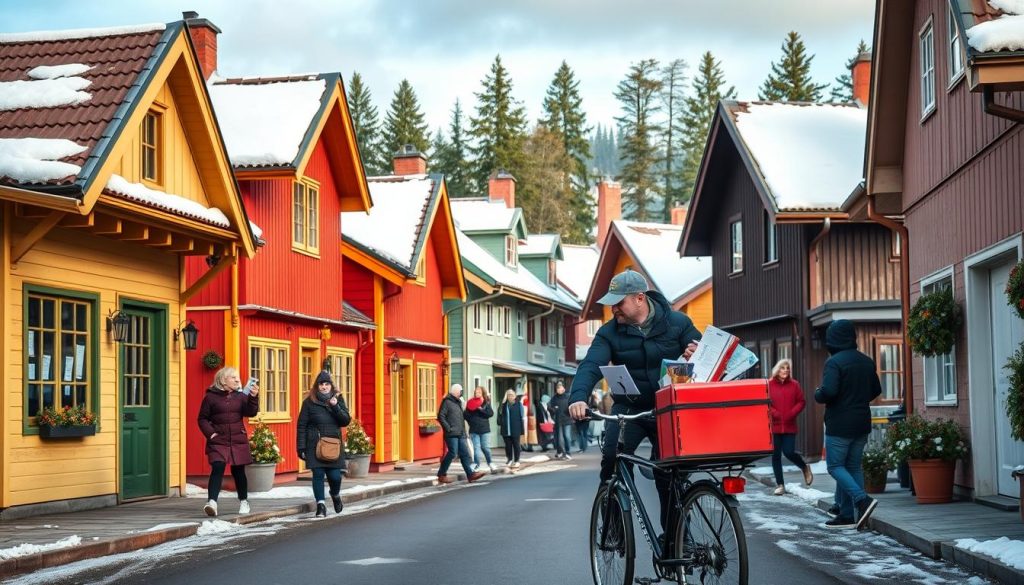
(619, 381)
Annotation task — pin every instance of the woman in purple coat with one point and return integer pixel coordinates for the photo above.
(227, 442)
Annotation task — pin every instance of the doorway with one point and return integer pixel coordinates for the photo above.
(142, 385)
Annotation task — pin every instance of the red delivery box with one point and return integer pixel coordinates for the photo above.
(708, 422)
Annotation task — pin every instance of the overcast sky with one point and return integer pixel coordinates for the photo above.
(445, 47)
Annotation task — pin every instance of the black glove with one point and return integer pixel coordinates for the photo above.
(302, 455)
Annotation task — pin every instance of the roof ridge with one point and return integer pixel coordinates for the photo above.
(79, 33)
(268, 80)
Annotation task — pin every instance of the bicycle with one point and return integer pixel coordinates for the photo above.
(706, 543)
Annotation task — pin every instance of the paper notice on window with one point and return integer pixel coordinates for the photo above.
(742, 360)
(69, 362)
(31, 344)
(619, 381)
(79, 361)
(46, 368)
(712, 354)
(32, 371)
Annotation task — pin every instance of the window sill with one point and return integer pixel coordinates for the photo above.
(275, 418)
(928, 114)
(771, 265)
(956, 80)
(304, 252)
(941, 403)
(736, 274)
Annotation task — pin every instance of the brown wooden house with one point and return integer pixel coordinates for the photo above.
(787, 260)
(946, 150)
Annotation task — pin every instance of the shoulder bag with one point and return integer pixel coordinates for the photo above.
(328, 449)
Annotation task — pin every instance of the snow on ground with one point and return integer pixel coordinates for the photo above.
(36, 160)
(167, 525)
(217, 526)
(31, 549)
(816, 468)
(1010, 552)
(807, 494)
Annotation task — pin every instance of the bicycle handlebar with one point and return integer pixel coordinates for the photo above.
(648, 414)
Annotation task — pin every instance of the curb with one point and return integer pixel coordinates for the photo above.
(123, 544)
(933, 548)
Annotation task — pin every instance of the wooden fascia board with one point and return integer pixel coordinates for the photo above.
(478, 282)
(790, 217)
(702, 171)
(893, 20)
(365, 199)
(314, 134)
(155, 217)
(694, 293)
(46, 200)
(257, 173)
(753, 169)
(450, 242)
(372, 264)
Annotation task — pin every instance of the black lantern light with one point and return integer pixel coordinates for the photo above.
(394, 363)
(444, 367)
(118, 322)
(190, 332)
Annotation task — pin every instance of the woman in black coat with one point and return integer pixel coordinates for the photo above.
(227, 442)
(512, 422)
(323, 414)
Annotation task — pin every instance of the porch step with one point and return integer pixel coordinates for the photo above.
(999, 503)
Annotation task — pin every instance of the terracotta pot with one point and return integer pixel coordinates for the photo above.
(874, 485)
(933, 480)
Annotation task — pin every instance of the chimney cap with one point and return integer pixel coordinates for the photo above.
(502, 174)
(192, 19)
(408, 150)
(864, 56)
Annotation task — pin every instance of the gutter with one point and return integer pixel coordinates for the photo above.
(989, 105)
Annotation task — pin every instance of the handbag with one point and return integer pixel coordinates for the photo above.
(328, 449)
(547, 427)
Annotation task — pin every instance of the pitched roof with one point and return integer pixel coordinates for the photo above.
(393, 229)
(478, 215)
(576, 270)
(350, 314)
(653, 247)
(549, 245)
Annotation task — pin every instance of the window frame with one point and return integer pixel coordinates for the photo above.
(508, 321)
(954, 52)
(520, 323)
(926, 76)
(344, 375)
(943, 396)
(426, 395)
(157, 146)
(552, 272)
(896, 342)
(592, 326)
(735, 246)
(766, 364)
(784, 342)
(511, 251)
(545, 335)
(771, 240)
(92, 362)
(265, 343)
(489, 318)
(531, 333)
(310, 212)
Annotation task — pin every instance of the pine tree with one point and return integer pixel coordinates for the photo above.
(842, 90)
(451, 159)
(404, 123)
(544, 190)
(673, 76)
(366, 125)
(698, 111)
(790, 79)
(499, 127)
(637, 95)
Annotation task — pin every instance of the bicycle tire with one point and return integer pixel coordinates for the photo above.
(611, 567)
(711, 531)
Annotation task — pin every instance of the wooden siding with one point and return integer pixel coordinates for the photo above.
(416, 312)
(701, 309)
(855, 265)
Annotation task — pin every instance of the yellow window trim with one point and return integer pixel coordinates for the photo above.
(430, 368)
(341, 352)
(302, 247)
(263, 343)
(421, 269)
(159, 146)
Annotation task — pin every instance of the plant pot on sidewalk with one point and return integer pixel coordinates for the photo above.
(874, 484)
(1018, 474)
(933, 480)
(260, 476)
(357, 465)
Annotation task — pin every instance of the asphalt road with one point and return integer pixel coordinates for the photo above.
(525, 529)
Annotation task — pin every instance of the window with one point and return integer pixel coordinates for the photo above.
(426, 390)
(784, 349)
(489, 315)
(897, 247)
(519, 324)
(765, 356)
(592, 326)
(421, 268)
(939, 370)
(268, 361)
(927, 46)
(889, 357)
(511, 251)
(60, 348)
(736, 238)
(306, 216)
(752, 346)
(476, 317)
(342, 366)
(508, 321)
(543, 331)
(561, 333)
(771, 253)
(308, 367)
(552, 275)
(151, 147)
(490, 386)
(530, 332)
(956, 52)
(476, 384)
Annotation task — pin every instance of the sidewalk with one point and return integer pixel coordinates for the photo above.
(932, 529)
(37, 542)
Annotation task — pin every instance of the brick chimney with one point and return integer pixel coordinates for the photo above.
(609, 207)
(502, 187)
(679, 214)
(204, 38)
(861, 74)
(409, 161)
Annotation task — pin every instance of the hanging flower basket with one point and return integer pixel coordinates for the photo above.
(1015, 289)
(933, 324)
(429, 427)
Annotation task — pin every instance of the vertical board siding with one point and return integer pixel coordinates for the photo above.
(855, 265)
(416, 313)
(199, 378)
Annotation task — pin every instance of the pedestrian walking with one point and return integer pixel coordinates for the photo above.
(559, 409)
(511, 422)
(227, 442)
(452, 421)
(322, 416)
(787, 402)
(849, 384)
(545, 424)
(478, 413)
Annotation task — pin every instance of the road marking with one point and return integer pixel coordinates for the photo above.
(376, 561)
(549, 499)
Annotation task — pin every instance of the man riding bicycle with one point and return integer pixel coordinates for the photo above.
(644, 331)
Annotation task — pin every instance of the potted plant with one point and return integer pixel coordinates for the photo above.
(358, 448)
(931, 447)
(1015, 403)
(429, 427)
(933, 323)
(876, 464)
(265, 456)
(67, 422)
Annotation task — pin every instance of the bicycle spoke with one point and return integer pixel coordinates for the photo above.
(711, 537)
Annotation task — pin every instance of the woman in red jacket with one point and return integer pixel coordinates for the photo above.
(787, 401)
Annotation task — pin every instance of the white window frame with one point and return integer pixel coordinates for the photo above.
(490, 386)
(476, 318)
(736, 246)
(771, 240)
(955, 50)
(511, 251)
(520, 324)
(926, 68)
(507, 321)
(552, 272)
(592, 326)
(476, 383)
(932, 395)
(489, 318)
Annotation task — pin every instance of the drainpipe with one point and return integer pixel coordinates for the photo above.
(990, 106)
(465, 329)
(900, 230)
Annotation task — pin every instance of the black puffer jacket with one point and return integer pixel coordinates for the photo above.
(320, 419)
(478, 419)
(848, 385)
(449, 416)
(559, 408)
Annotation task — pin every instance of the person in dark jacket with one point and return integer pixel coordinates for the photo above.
(452, 422)
(849, 384)
(512, 424)
(644, 331)
(545, 438)
(323, 414)
(227, 442)
(559, 409)
(787, 401)
(478, 413)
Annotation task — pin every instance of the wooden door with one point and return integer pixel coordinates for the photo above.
(1006, 337)
(142, 372)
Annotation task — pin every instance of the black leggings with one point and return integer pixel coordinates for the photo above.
(217, 475)
(512, 448)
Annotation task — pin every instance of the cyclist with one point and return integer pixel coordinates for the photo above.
(644, 331)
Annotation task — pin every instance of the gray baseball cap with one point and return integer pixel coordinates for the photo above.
(624, 283)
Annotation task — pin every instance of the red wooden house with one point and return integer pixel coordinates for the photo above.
(281, 317)
(401, 261)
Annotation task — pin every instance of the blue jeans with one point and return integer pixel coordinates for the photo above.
(456, 445)
(481, 443)
(582, 434)
(563, 437)
(333, 477)
(843, 456)
(784, 444)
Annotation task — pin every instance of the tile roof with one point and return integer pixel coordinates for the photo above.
(351, 314)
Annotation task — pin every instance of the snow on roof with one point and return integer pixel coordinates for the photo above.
(577, 270)
(811, 156)
(540, 245)
(79, 33)
(36, 160)
(55, 71)
(482, 215)
(167, 201)
(43, 93)
(257, 231)
(1003, 33)
(264, 123)
(654, 247)
(392, 227)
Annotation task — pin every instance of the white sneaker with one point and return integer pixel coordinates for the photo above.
(779, 490)
(492, 467)
(515, 464)
(568, 457)
(243, 507)
(210, 508)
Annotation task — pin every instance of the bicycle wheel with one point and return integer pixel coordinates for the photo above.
(711, 534)
(611, 550)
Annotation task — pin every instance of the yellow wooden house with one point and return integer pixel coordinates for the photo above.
(112, 171)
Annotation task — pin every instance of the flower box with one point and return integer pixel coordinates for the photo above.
(429, 430)
(48, 432)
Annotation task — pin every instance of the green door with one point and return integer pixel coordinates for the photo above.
(143, 389)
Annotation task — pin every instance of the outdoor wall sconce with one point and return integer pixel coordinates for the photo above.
(190, 332)
(394, 363)
(118, 322)
(444, 367)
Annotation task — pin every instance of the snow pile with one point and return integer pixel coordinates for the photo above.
(539, 245)
(1004, 550)
(264, 124)
(392, 225)
(31, 549)
(168, 201)
(55, 71)
(257, 231)
(1008, 6)
(808, 494)
(773, 524)
(35, 160)
(816, 468)
(43, 93)
(811, 156)
(477, 215)
(168, 525)
(895, 570)
(79, 33)
(654, 246)
(1005, 33)
(535, 459)
(216, 527)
